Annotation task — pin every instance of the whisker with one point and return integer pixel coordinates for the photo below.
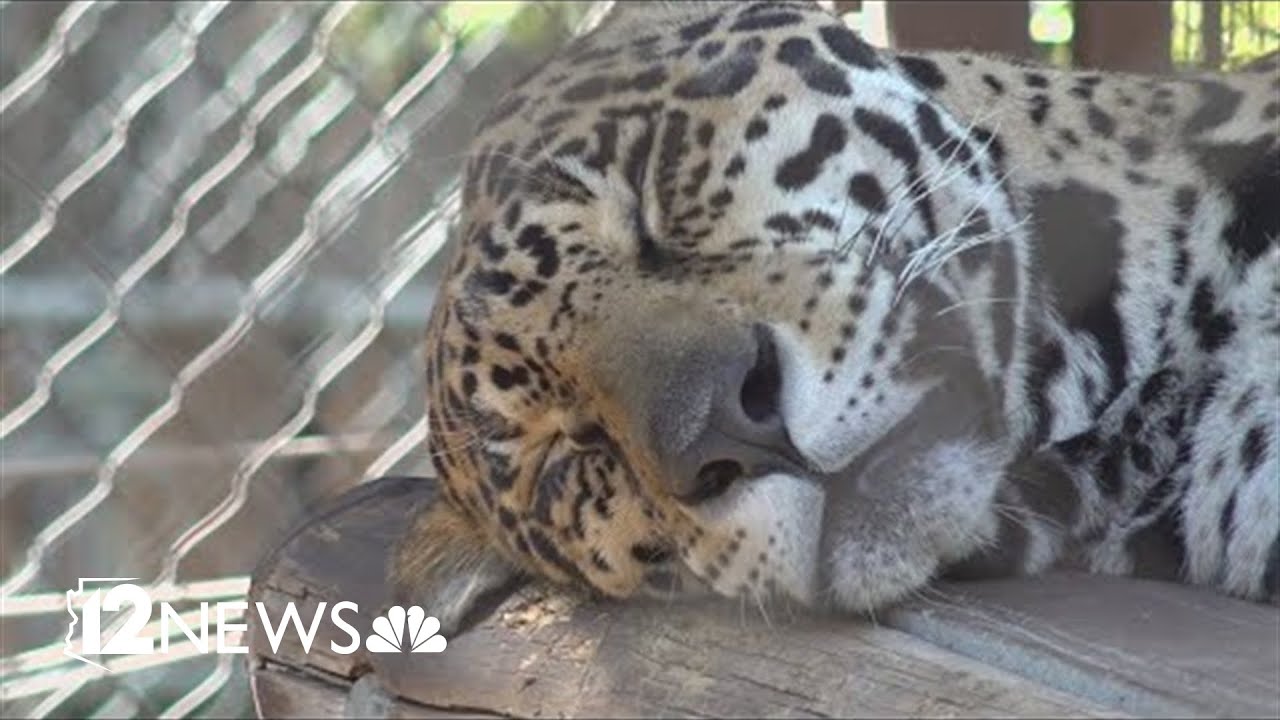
(956, 171)
(935, 253)
(936, 349)
(760, 605)
(931, 245)
(952, 171)
(975, 301)
(899, 185)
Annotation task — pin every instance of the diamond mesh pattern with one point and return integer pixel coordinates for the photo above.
(222, 225)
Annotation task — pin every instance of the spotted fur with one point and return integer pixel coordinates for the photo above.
(744, 304)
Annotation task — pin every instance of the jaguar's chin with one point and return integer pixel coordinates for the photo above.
(859, 539)
(906, 492)
(891, 524)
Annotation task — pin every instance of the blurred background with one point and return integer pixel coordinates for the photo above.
(221, 226)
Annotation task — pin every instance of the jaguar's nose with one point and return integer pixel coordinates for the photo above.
(720, 421)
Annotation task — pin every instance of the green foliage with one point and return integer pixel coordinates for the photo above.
(1052, 22)
(1052, 28)
(381, 43)
(1250, 29)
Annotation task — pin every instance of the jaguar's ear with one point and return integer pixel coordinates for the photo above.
(446, 565)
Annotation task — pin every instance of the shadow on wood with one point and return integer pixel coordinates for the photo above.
(1062, 645)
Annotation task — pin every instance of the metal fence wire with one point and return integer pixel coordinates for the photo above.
(220, 226)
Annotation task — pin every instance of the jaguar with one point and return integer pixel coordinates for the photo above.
(742, 305)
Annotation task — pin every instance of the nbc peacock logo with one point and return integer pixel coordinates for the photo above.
(405, 630)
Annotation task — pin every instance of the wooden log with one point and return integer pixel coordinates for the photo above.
(1067, 645)
(1146, 647)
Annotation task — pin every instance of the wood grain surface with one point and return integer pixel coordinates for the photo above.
(1063, 645)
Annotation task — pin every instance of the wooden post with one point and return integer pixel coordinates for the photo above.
(1124, 35)
(1211, 33)
(979, 25)
(1061, 645)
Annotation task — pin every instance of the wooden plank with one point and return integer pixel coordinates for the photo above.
(281, 692)
(544, 654)
(1062, 645)
(995, 26)
(1123, 35)
(340, 553)
(1147, 647)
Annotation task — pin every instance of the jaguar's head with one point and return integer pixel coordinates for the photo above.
(718, 318)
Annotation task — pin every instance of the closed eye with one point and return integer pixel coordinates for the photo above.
(650, 554)
(592, 435)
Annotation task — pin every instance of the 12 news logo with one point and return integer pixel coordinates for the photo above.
(400, 630)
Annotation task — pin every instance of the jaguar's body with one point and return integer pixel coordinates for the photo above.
(741, 302)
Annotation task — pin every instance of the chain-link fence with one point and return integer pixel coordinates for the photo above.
(221, 224)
